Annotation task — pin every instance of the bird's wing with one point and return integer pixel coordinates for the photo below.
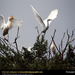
(38, 18)
(16, 22)
(2, 21)
(52, 16)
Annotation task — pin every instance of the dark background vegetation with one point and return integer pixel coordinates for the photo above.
(40, 57)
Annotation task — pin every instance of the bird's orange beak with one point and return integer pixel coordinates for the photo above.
(12, 19)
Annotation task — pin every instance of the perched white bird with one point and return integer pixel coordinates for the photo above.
(29, 49)
(53, 48)
(45, 23)
(11, 23)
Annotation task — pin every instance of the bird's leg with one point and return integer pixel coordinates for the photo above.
(8, 39)
(5, 39)
(8, 36)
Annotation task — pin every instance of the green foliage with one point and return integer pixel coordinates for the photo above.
(70, 55)
(36, 59)
(40, 46)
(56, 63)
(28, 55)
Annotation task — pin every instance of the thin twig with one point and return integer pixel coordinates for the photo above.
(15, 40)
(37, 30)
(55, 45)
(62, 42)
(51, 43)
(69, 40)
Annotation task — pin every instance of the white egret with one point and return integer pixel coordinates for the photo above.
(53, 48)
(11, 23)
(45, 23)
(29, 49)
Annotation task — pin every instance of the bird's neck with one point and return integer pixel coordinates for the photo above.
(8, 21)
(48, 23)
(9, 24)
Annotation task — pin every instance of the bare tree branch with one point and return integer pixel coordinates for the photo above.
(69, 40)
(62, 42)
(51, 43)
(15, 40)
(37, 30)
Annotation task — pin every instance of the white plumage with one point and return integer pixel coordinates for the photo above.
(11, 23)
(29, 49)
(45, 23)
(53, 48)
(52, 16)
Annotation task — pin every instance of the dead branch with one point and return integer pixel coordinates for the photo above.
(51, 42)
(62, 42)
(55, 45)
(54, 42)
(52, 37)
(6, 42)
(15, 40)
(37, 30)
(69, 39)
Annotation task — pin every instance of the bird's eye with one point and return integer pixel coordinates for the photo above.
(10, 19)
(49, 20)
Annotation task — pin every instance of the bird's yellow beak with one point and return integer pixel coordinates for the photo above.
(12, 19)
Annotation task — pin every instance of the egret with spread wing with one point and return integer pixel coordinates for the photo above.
(45, 23)
(11, 23)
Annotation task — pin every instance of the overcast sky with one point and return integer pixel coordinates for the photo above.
(20, 9)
